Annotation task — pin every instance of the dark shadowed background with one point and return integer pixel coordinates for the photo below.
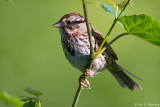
(31, 55)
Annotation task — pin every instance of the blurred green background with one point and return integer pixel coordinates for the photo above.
(31, 55)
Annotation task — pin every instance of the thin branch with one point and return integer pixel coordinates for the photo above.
(111, 28)
(39, 102)
(91, 52)
(88, 29)
(76, 98)
(104, 48)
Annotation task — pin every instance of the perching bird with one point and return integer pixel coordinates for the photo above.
(76, 46)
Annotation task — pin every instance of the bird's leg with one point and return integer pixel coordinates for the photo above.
(89, 73)
(82, 79)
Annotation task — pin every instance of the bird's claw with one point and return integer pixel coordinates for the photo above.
(82, 82)
(89, 73)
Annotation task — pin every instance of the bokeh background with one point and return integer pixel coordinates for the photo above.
(31, 55)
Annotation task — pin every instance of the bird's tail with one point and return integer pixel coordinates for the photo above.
(124, 80)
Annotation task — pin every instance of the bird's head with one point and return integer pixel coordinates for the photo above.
(69, 20)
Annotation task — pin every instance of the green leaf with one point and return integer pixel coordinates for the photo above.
(112, 2)
(122, 4)
(111, 9)
(30, 103)
(8, 99)
(33, 92)
(142, 26)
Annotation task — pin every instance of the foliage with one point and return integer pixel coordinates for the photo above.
(8, 99)
(33, 92)
(142, 26)
(121, 5)
(31, 101)
(112, 10)
(25, 101)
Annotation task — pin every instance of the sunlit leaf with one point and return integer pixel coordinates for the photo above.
(121, 5)
(111, 9)
(142, 26)
(33, 92)
(8, 99)
(112, 2)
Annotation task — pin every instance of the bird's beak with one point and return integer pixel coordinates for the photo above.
(58, 24)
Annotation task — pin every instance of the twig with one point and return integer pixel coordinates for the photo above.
(39, 102)
(76, 98)
(104, 48)
(88, 29)
(91, 52)
(111, 28)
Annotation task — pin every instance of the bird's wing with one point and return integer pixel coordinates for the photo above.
(99, 38)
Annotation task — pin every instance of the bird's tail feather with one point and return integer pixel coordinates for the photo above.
(124, 80)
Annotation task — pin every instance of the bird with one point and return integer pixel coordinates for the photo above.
(76, 47)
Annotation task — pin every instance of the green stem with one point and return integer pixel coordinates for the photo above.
(111, 28)
(88, 29)
(77, 97)
(91, 52)
(39, 102)
(104, 48)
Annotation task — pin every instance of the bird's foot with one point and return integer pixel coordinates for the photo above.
(83, 80)
(88, 73)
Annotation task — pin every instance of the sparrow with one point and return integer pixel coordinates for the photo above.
(76, 47)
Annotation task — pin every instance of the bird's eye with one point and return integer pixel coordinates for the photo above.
(68, 22)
